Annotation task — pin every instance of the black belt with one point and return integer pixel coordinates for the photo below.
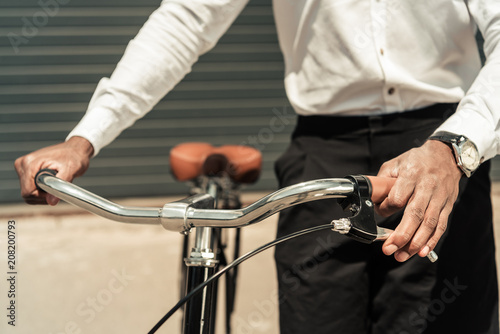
(338, 125)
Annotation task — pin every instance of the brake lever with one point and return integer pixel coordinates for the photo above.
(362, 226)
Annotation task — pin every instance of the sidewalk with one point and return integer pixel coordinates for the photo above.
(77, 273)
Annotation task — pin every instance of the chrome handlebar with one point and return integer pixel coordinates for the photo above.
(84, 199)
(183, 215)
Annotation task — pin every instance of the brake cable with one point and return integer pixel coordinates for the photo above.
(236, 262)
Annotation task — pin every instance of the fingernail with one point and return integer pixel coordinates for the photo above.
(425, 251)
(389, 250)
(402, 256)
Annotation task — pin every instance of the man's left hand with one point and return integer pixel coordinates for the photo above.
(427, 185)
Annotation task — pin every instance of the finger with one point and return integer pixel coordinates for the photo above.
(389, 169)
(45, 198)
(66, 173)
(26, 181)
(438, 232)
(52, 200)
(62, 174)
(426, 229)
(35, 199)
(412, 218)
(397, 198)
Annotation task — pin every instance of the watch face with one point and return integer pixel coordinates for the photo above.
(469, 156)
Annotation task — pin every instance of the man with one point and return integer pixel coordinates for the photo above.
(371, 82)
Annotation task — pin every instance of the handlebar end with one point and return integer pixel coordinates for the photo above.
(44, 171)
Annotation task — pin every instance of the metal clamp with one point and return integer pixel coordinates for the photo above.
(174, 216)
(363, 227)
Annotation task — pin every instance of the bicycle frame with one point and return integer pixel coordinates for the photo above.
(198, 211)
(206, 257)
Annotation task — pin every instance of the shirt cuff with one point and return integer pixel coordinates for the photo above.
(475, 127)
(98, 126)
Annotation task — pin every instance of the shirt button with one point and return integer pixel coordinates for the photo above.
(391, 91)
(381, 51)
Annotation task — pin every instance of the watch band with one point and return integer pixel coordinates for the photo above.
(447, 137)
(458, 143)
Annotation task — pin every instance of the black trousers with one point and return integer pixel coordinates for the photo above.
(332, 284)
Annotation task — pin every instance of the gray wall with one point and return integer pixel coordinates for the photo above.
(47, 80)
(51, 58)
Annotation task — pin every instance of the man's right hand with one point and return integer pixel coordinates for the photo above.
(70, 159)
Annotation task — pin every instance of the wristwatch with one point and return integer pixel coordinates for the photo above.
(466, 152)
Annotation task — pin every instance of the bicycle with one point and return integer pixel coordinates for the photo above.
(219, 172)
(357, 194)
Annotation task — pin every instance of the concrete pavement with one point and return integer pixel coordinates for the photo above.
(77, 273)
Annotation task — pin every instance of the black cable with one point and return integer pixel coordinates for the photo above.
(236, 262)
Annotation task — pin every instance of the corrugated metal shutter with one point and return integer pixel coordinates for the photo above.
(62, 48)
(46, 81)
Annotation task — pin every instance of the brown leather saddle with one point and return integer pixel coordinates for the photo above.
(241, 163)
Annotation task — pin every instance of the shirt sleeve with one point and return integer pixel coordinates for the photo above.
(161, 54)
(478, 114)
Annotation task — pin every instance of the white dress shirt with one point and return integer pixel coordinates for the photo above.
(342, 57)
